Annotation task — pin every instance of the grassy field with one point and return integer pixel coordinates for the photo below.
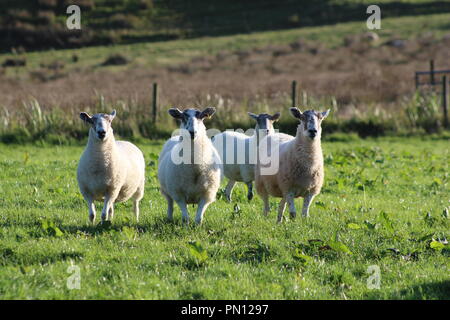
(383, 204)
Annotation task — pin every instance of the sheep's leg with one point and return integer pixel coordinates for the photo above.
(250, 190)
(91, 207)
(265, 198)
(111, 213)
(137, 198)
(202, 205)
(108, 204)
(290, 201)
(169, 208)
(229, 189)
(281, 208)
(136, 209)
(184, 211)
(306, 203)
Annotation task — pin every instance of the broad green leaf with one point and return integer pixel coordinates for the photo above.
(339, 247)
(305, 259)
(436, 245)
(197, 251)
(386, 221)
(353, 226)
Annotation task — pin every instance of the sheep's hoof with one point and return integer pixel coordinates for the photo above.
(250, 196)
(92, 219)
(293, 215)
(280, 219)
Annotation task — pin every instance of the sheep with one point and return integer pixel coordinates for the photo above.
(300, 165)
(196, 178)
(243, 171)
(108, 169)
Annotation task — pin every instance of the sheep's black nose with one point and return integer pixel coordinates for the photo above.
(312, 133)
(101, 133)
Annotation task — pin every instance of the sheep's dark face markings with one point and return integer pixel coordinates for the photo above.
(310, 122)
(265, 121)
(192, 120)
(100, 123)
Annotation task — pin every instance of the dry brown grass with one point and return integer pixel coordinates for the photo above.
(358, 74)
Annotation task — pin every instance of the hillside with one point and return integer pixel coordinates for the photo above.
(335, 66)
(30, 25)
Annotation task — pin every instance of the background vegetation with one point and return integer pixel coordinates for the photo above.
(367, 82)
(40, 24)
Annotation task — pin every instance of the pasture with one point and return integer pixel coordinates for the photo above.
(384, 203)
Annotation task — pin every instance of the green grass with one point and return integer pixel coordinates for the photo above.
(383, 201)
(149, 54)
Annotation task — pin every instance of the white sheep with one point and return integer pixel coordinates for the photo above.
(300, 165)
(238, 152)
(189, 169)
(109, 169)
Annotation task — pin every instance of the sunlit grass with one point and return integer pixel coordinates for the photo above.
(382, 204)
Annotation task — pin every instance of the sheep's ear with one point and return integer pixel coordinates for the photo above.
(207, 113)
(254, 116)
(296, 113)
(85, 117)
(113, 114)
(174, 112)
(324, 114)
(275, 117)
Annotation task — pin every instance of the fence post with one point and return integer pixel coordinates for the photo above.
(294, 94)
(417, 80)
(432, 72)
(155, 101)
(445, 99)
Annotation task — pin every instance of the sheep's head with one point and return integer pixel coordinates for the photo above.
(100, 124)
(265, 121)
(310, 122)
(192, 119)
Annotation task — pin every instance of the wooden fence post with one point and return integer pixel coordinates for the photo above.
(155, 101)
(445, 99)
(432, 72)
(294, 94)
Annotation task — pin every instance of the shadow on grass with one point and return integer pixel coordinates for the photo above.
(9, 256)
(160, 228)
(426, 291)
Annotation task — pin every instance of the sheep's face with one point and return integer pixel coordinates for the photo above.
(100, 124)
(192, 120)
(310, 122)
(265, 122)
